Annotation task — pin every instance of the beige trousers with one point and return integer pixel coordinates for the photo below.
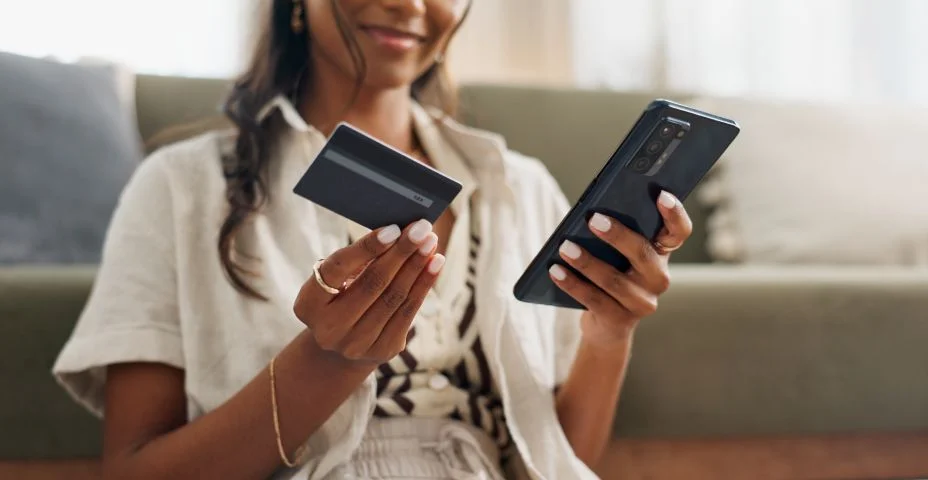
(422, 448)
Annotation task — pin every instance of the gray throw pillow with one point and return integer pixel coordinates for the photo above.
(66, 152)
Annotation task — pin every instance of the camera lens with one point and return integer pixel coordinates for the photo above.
(654, 147)
(667, 131)
(641, 164)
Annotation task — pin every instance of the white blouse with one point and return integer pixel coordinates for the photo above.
(161, 294)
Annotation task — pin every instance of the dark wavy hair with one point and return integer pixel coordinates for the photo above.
(280, 65)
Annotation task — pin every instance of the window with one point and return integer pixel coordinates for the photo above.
(204, 38)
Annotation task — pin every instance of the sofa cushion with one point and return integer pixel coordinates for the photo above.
(171, 109)
(66, 150)
(825, 184)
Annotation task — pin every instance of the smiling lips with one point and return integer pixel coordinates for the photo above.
(393, 39)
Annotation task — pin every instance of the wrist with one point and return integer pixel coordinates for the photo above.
(332, 361)
(605, 338)
(608, 351)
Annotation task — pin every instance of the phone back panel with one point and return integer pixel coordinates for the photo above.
(623, 191)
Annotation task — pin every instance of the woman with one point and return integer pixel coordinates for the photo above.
(219, 347)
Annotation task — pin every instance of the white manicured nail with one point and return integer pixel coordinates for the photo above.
(389, 234)
(419, 230)
(666, 200)
(570, 250)
(429, 244)
(558, 272)
(437, 262)
(601, 222)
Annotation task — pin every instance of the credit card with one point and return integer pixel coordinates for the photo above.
(373, 184)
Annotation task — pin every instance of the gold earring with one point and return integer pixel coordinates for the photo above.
(296, 22)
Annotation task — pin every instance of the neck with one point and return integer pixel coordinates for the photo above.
(383, 113)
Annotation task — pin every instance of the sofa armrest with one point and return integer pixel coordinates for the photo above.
(773, 350)
(38, 309)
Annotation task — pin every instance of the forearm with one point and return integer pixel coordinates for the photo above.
(237, 440)
(586, 402)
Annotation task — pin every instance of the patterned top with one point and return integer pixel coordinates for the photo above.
(444, 372)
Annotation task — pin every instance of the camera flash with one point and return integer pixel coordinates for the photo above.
(681, 133)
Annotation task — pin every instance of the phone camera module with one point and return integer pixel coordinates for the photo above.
(641, 164)
(654, 147)
(667, 131)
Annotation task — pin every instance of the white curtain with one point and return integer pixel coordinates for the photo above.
(832, 50)
(203, 38)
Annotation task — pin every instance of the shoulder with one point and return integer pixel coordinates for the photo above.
(171, 186)
(195, 159)
(188, 171)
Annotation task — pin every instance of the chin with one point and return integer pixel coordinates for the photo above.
(385, 77)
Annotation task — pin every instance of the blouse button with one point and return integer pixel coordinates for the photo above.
(438, 382)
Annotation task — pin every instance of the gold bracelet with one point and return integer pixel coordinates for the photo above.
(280, 441)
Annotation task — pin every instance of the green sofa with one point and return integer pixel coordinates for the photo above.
(735, 350)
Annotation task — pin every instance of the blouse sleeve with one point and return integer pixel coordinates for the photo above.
(132, 312)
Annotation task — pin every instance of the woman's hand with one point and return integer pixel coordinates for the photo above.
(390, 273)
(616, 301)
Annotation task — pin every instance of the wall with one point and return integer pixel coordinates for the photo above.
(514, 41)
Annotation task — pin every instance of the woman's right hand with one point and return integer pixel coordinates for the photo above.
(368, 321)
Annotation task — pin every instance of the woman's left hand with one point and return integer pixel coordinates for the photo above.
(616, 301)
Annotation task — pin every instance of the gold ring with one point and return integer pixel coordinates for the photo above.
(664, 249)
(325, 286)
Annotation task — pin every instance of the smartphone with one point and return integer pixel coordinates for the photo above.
(671, 147)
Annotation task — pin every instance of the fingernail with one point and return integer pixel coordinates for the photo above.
(570, 250)
(388, 235)
(666, 200)
(429, 244)
(601, 222)
(418, 231)
(437, 262)
(558, 272)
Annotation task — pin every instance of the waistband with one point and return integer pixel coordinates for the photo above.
(411, 447)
